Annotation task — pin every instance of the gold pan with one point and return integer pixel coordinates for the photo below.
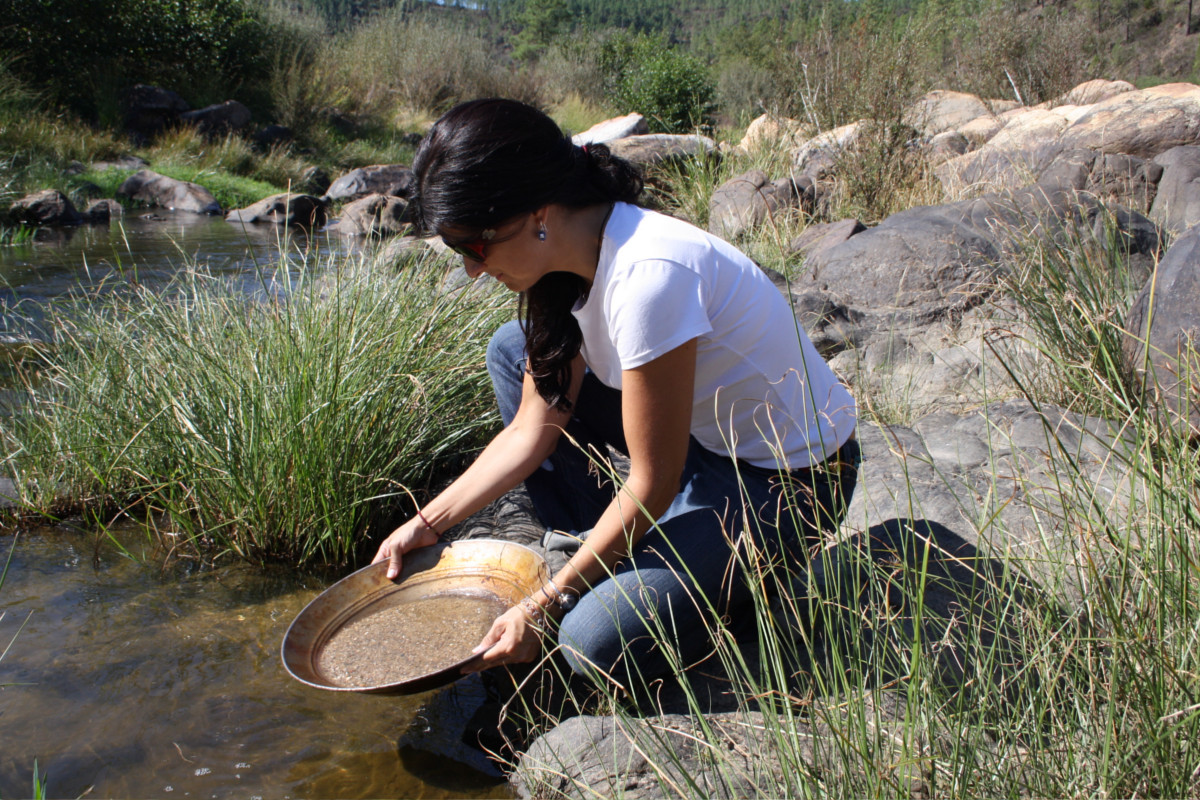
(509, 572)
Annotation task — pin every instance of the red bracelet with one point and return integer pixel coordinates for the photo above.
(427, 525)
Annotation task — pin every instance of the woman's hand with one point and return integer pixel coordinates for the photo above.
(409, 536)
(513, 639)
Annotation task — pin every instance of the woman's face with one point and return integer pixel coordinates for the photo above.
(505, 252)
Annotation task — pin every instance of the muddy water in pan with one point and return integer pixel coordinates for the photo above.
(132, 680)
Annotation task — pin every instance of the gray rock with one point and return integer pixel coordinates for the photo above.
(824, 235)
(651, 758)
(282, 209)
(745, 202)
(942, 111)
(103, 210)
(657, 148)
(228, 117)
(373, 215)
(1177, 202)
(313, 180)
(1164, 326)
(927, 262)
(146, 186)
(47, 207)
(390, 179)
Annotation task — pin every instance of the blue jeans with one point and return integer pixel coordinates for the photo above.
(684, 570)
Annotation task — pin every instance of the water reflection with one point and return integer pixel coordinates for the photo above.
(149, 248)
(133, 680)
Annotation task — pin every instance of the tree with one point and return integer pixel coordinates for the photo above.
(541, 21)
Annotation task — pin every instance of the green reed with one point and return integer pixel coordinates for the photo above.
(290, 424)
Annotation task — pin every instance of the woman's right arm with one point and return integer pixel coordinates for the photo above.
(509, 458)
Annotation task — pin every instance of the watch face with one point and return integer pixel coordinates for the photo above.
(568, 601)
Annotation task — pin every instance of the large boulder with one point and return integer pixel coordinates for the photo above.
(373, 215)
(147, 186)
(1177, 201)
(391, 179)
(819, 155)
(611, 129)
(1093, 91)
(941, 111)
(150, 110)
(1110, 177)
(653, 149)
(48, 207)
(745, 202)
(303, 210)
(926, 262)
(103, 210)
(1164, 328)
(771, 131)
(1141, 123)
(228, 117)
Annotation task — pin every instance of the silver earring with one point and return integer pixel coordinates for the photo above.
(542, 232)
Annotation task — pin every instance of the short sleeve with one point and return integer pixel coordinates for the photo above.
(654, 307)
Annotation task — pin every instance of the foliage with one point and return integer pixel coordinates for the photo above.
(82, 53)
(541, 21)
(671, 88)
(288, 426)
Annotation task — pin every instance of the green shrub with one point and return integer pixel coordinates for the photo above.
(83, 52)
(671, 88)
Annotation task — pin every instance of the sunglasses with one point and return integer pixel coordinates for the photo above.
(472, 250)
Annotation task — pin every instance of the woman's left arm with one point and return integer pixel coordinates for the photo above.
(656, 407)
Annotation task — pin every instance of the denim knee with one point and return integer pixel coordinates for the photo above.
(505, 362)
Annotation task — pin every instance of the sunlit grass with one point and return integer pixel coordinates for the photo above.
(288, 425)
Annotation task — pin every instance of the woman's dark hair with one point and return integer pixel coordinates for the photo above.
(486, 161)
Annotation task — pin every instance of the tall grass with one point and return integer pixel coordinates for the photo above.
(288, 425)
(1052, 652)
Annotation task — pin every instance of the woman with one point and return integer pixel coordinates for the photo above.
(646, 334)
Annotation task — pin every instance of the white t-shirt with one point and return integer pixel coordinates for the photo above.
(762, 392)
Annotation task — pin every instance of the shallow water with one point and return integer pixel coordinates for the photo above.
(151, 247)
(131, 679)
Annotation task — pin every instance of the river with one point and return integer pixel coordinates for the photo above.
(129, 674)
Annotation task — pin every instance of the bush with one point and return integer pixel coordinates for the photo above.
(671, 88)
(83, 52)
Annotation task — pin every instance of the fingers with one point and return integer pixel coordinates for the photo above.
(511, 640)
(393, 563)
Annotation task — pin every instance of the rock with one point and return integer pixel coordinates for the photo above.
(1093, 91)
(402, 247)
(1026, 145)
(283, 209)
(228, 117)
(1164, 329)
(940, 111)
(745, 202)
(373, 215)
(831, 326)
(150, 110)
(927, 261)
(1177, 202)
(313, 180)
(652, 149)
(824, 235)
(150, 188)
(47, 207)
(272, 136)
(103, 210)
(770, 131)
(1140, 123)
(945, 146)
(392, 179)
(818, 156)
(610, 129)
(1109, 177)
(980, 130)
